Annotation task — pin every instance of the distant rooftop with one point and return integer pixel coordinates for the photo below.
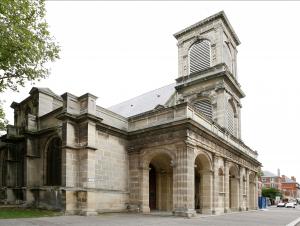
(268, 174)
(145, 102)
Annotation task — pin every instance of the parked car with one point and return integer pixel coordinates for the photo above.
(295, 203)
(290, 205)
(281, 204)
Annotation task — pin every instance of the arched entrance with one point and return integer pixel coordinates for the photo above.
(252, 196)
(161, 183)
(233, 188)
(203, 184)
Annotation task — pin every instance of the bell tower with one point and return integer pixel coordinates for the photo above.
(207, 71)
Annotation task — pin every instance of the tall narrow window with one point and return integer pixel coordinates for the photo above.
(54, 162)
(228, 57)
(204, 106)
(230, 118)
(199, 56)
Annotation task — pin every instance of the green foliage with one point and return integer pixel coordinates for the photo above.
(3, 121)
(271, 193)
(6, 213)
(26, 44)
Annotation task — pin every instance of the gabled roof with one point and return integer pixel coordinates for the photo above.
(268, 174)
(145, 102)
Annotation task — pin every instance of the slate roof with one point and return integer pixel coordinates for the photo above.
(145, 102)
(268, 174)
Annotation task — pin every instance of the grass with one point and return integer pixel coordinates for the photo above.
(10, 213)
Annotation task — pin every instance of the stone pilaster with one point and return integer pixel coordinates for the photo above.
(241, 187)
(226, 184)
(207, 191)
(215, 185)
(69, 155)
(255, 196)
(247, 188)
(144, 192)
(183, 182)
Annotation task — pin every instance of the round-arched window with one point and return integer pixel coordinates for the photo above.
(54, 162)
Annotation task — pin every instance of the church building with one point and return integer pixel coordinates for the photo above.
(176, 149)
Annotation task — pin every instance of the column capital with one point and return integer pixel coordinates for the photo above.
(190, 144)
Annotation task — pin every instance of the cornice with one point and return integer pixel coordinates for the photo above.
(219, 70)
(220, 15)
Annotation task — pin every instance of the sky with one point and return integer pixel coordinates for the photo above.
(118, 50)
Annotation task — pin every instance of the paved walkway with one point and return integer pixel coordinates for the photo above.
(272, 217)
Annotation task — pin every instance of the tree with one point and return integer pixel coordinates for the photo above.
(26, 44)
(3, 121)
(271, 193)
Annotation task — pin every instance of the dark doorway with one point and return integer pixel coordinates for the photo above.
(152, 188)
(197, 190)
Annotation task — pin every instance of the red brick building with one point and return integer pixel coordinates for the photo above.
(289, 187)
(270, 180)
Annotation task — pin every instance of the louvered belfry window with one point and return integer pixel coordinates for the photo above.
(204, 106)
(200, 56)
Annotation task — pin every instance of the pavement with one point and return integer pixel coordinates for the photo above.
(272, 216)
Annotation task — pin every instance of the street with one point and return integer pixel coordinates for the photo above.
(272, 216)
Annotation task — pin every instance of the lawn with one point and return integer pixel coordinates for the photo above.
(6, 213)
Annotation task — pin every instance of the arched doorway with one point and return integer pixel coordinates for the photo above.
(54, 162)
(161, 183)
(233, 188)
(203, 184)
(252, 196)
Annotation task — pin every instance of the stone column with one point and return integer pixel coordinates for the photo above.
(183, 182)
(144, 193)
(226, 184)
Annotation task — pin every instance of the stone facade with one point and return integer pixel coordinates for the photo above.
(182, 154)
